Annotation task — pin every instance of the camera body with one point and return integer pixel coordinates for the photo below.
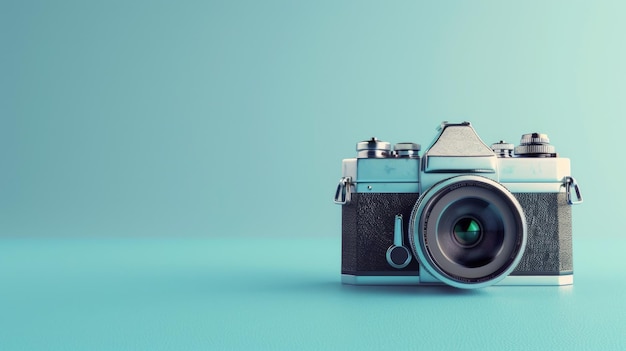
(463, 214)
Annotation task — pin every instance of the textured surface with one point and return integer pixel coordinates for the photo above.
(283, 294)
(549, 223)
(368, 229)
(368, 224)
(459, 141)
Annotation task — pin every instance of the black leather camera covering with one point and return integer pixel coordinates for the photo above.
(368, 227)
(549, 229)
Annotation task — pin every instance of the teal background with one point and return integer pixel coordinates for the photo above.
(130, 118)
(169, 131)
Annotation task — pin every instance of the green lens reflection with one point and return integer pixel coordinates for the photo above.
(467, 231)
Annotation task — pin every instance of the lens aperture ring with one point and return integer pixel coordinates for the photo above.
(468, 231)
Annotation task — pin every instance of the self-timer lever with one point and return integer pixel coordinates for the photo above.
(398, 256)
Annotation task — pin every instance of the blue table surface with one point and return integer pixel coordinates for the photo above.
(285, 294)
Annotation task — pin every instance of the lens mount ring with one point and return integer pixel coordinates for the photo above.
(468, 231)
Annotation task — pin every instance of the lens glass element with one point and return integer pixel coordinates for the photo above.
(467, 231)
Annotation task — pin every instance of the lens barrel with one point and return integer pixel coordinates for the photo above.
(468, 231)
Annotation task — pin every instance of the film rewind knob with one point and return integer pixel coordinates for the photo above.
(398, 256)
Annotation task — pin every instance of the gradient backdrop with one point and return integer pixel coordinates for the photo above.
(230, 118)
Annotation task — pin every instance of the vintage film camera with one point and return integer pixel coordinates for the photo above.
(464, 214)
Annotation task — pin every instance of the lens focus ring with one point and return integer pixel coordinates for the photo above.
(468, 231)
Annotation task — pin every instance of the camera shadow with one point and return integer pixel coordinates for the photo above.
(335, 287)
(412, 290)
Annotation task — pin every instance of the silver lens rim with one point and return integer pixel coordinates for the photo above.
(427, 236)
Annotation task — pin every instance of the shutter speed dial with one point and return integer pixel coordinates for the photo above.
(535, 145)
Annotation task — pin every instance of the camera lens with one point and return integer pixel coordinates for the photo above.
(468, 231)
(470, 244)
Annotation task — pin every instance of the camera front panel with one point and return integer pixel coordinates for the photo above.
(542, 186)
(377, 192)
(549, 245)
(368, 225)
